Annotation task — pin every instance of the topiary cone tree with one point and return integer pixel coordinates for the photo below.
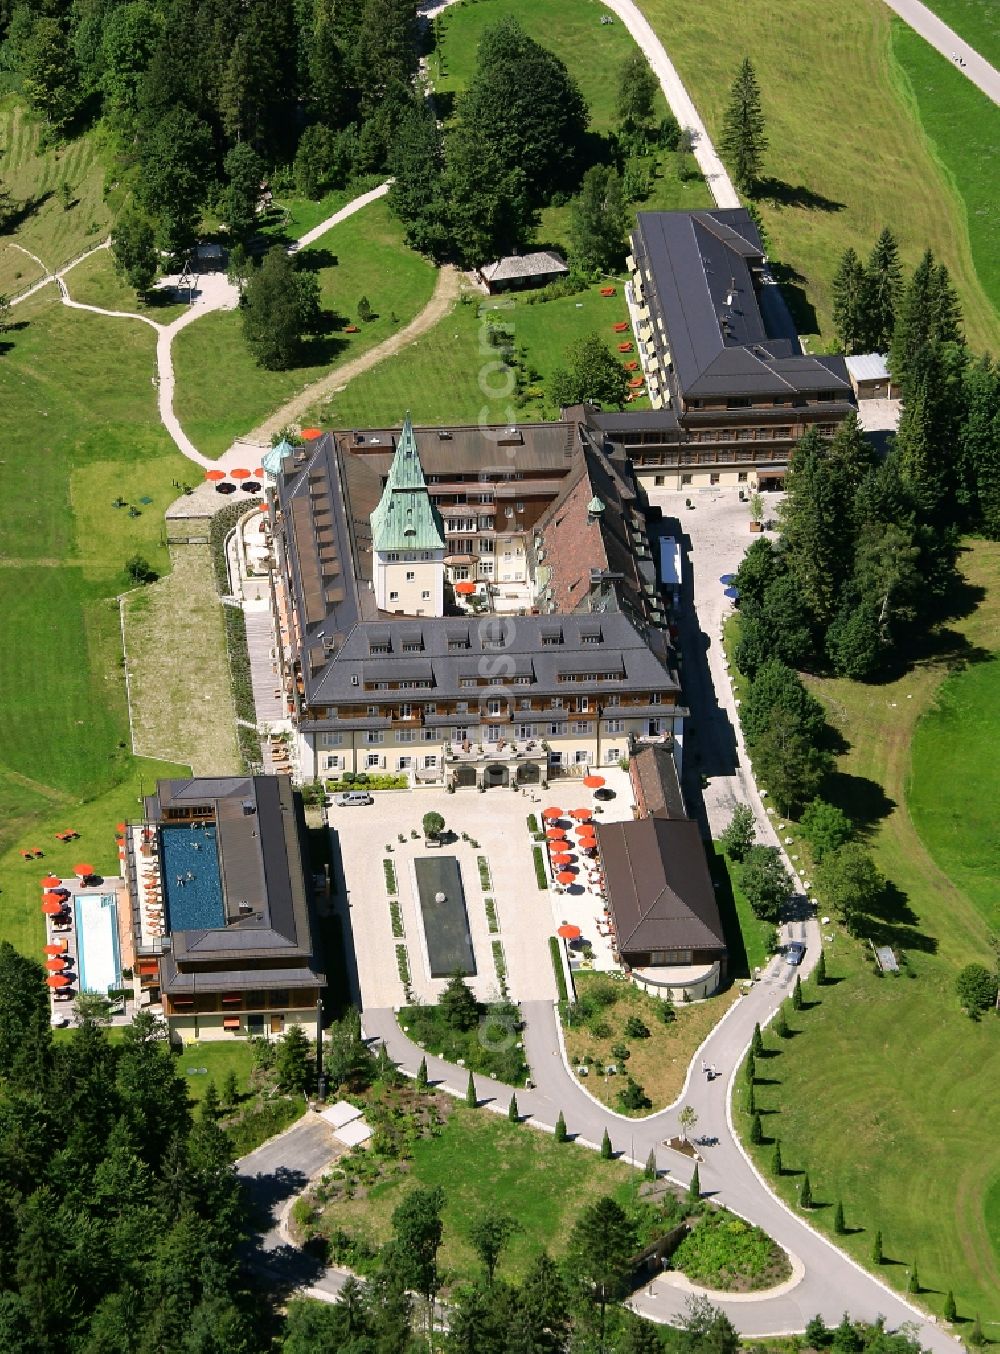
(838, 1219)
(471, 1099)
(776, 1166)
(422, 1075)
(607, 1151)
(950, 1311)
(756, 1131)
(878, 1254)
(561, 1134)
(820, 969)
(757, 1043)
(805, 1193)
(694, 1189)
(512, 1113)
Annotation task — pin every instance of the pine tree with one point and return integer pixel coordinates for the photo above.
(650, 1172)
(849, 285)
(607, 1151)
(816, 1333)
(776, 1165)
(820, 969)
(512, 1113)
(805, 1193)
(743, 139)
(421, 1078)
(757, 1043)
(797, 994)
(230, 1089)
(950, 1311)
(756, 1131)
(883, 285)
(210, 1107)
(694, 1189)
(838, 1219)
(560, 1134)
(877, 1253)
(471, 1099)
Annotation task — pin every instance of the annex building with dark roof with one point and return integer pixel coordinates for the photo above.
(221, 872)
(731, 389)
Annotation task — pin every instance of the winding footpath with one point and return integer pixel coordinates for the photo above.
(216, 292)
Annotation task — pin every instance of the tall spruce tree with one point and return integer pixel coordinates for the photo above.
(980, 446)
(817, 548)
(883, 282)
(849, 284)
(744, 139)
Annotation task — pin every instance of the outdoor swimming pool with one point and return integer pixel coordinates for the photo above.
(98, 956)
(189, 861)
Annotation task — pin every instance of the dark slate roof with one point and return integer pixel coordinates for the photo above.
(703, 270)
(258, 825)
(659, 887)
(520, 651)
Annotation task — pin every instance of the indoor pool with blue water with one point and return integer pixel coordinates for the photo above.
(189, 859)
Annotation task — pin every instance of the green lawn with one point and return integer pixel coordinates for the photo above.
(542, 1183)
(954, 787)
(94, 282)
(79, 430)
(448, 375)
(843, 143)
(218, 1057)
(751, 949)
(32, 177)
(887, 1094)
(977, 21)
(221, 393)
(963, 128)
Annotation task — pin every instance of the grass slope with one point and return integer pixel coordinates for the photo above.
(844, 146)
(32, 177)
(977, 21)
(542, 1183)
(954, 787)
(449, 374)
(887, 1094)
(963, 128)
(221, 393)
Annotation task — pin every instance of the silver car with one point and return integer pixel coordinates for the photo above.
(795, 952)
(350, 799)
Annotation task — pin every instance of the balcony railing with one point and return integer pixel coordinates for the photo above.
(507, 751)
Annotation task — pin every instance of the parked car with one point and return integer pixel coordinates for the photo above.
(795, 952)
(350, 799)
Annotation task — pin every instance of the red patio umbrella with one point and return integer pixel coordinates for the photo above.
(58, 980)
(465, 589)
(240, 473)
(569, 932)
(51, 881)
(566, 877)
(310, 434)
(54, 905)
(579, 813)
(562, 858)
(259, 472)
(593, 782)
(215, 475)
(585, 830)
(51, 897)
(83, 870)
(551, 814)
(55, 965)
(556, 834)
(59, 947)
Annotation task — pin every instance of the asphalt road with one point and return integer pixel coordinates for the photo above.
(949, 44)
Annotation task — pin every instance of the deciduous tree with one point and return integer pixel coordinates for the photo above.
(594, 375)
(280, 305)
(133, 250)
(738, 836)
(597, 223)
(489, 1234)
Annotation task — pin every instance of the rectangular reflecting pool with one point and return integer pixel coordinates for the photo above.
(445, 917)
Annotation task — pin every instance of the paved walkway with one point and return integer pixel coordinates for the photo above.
(679, 100)
(933, 30)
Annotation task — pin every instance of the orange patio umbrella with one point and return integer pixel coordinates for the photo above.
(215, 475)
(310, 434)
(465, 589)
(566, 877)
(240, 473)
(54, 905)
(58, 947)
(83, 870)
(53, 897)
(51, 881)
(579, 813)
(562, 858)
(120, 827)
(593, 782)
(585, 830)
(570, 932)
(58, 980)
(55, 965)
(556, 834)
(259, 472)
(551, 814)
